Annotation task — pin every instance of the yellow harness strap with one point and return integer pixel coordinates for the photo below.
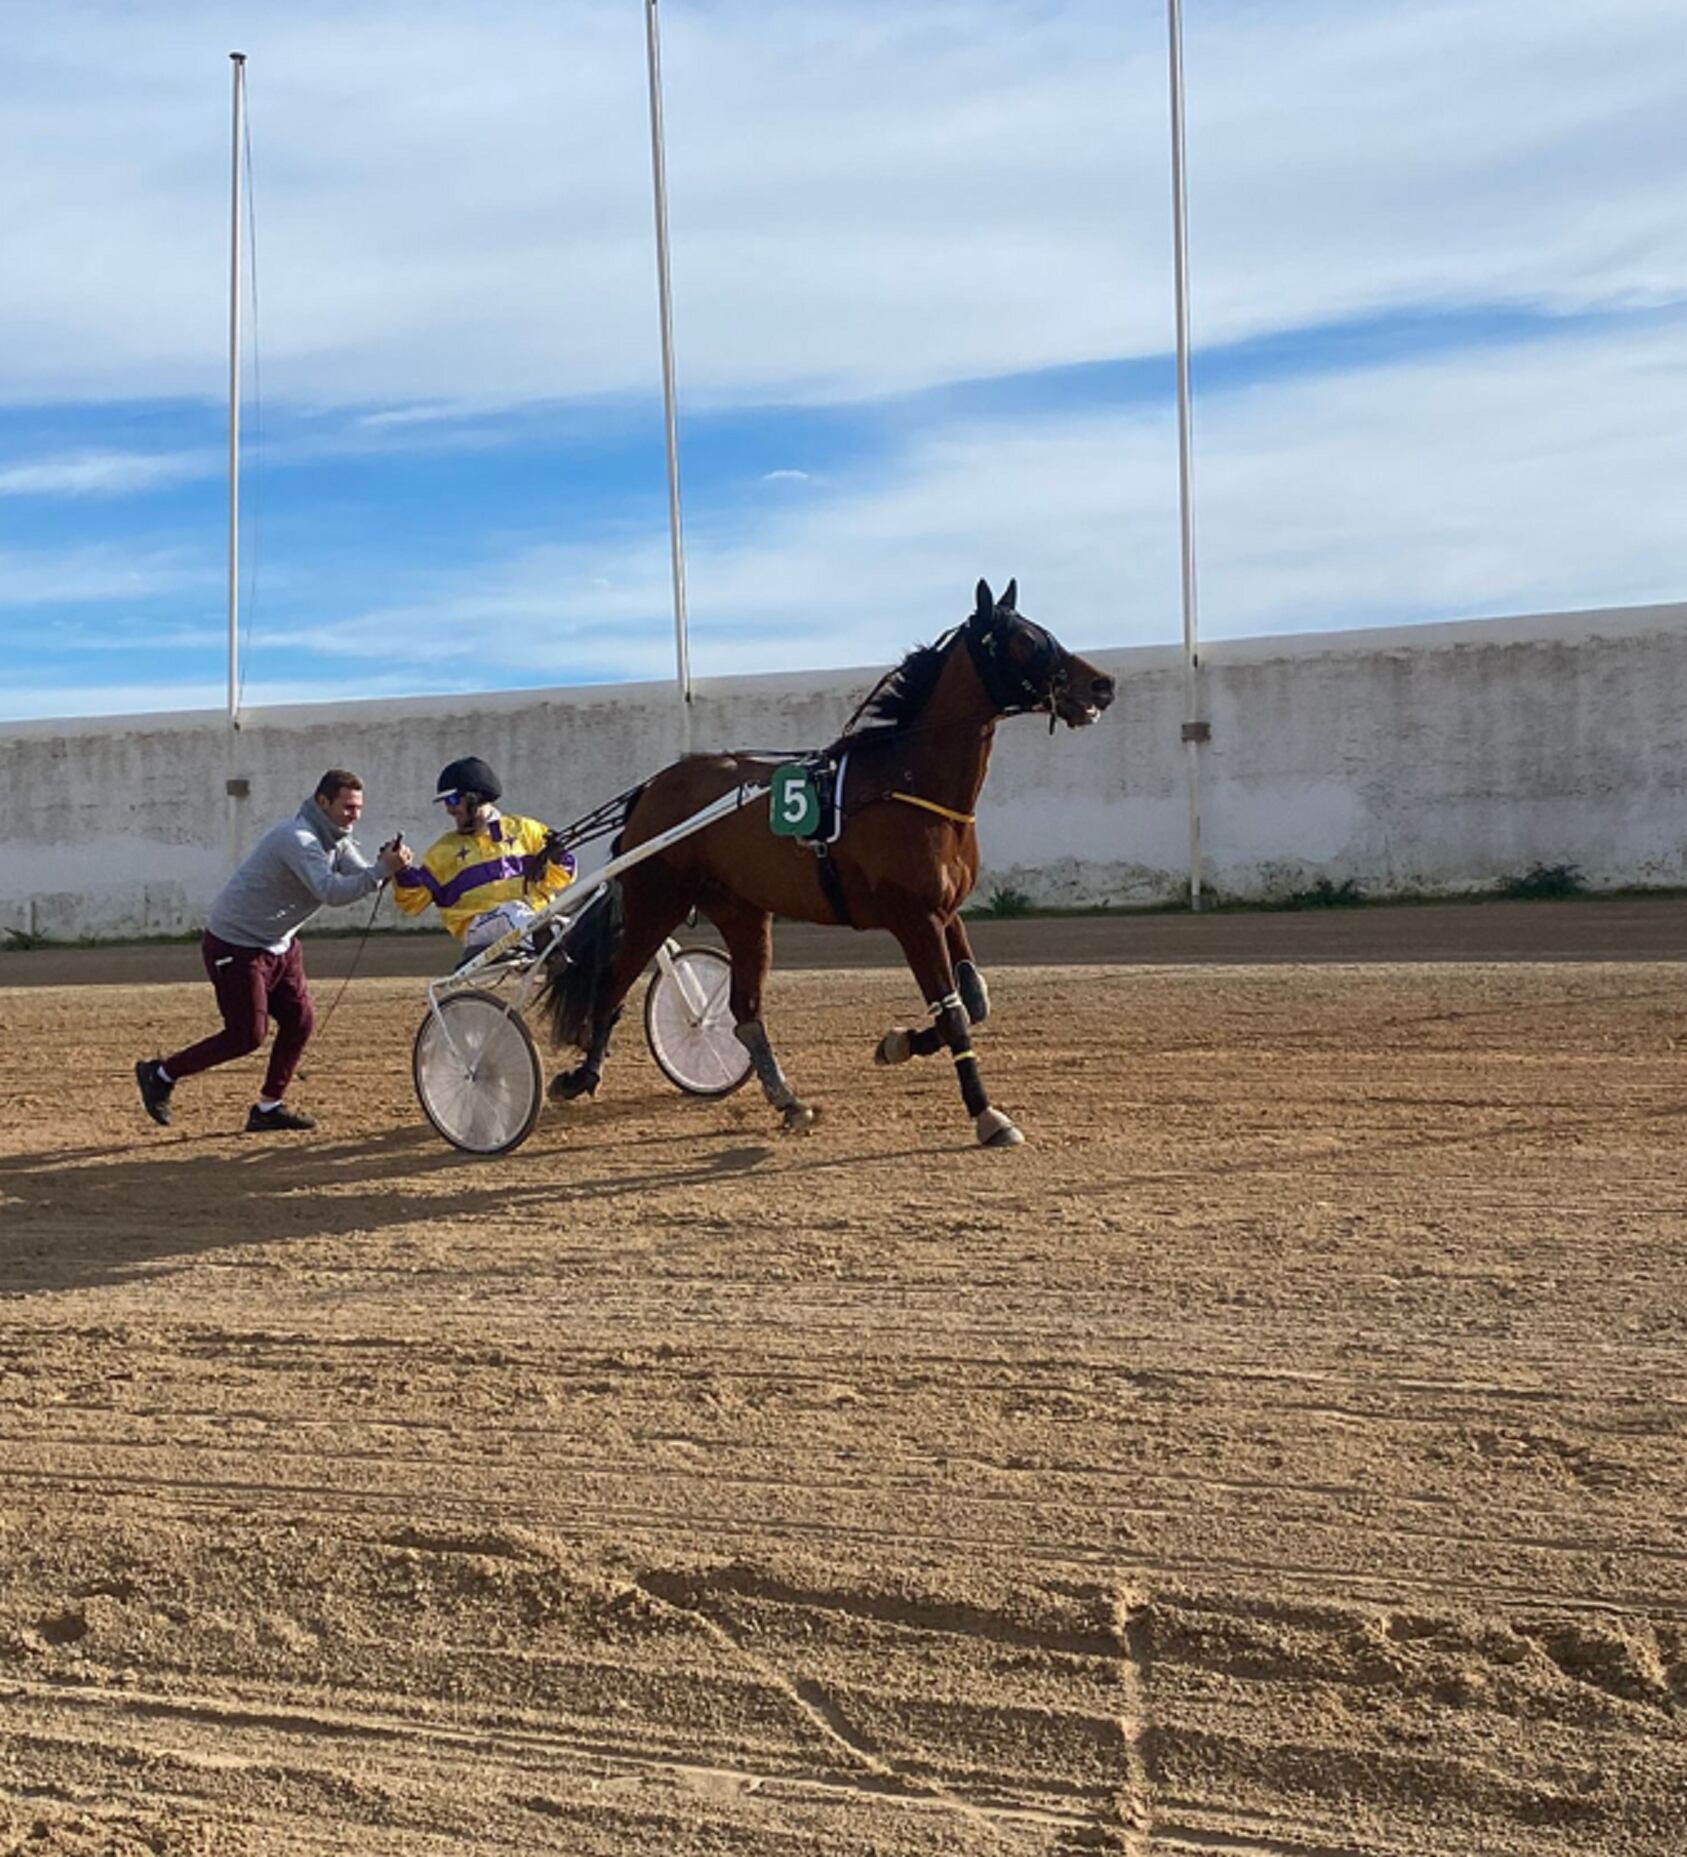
(945, 812)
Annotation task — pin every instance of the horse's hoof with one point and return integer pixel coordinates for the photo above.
(798, 1118)
(569, 1086)
(894, 1048)
(995, 1130)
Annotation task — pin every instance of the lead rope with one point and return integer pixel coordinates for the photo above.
(362, 943)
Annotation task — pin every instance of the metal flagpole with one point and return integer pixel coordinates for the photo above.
(676, 541)
(1195, 729)
(239, 62)
(234, 786)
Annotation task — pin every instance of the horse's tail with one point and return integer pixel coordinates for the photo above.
(579, 965)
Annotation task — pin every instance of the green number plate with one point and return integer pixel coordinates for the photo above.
(795, 808)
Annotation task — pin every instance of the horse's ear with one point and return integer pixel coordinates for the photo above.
(986, 601)
(1010, 596)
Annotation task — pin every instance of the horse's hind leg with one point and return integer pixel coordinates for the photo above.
(926, 946)
(654, 908)
(748, 934)
(585, 1077)
(898, 1046)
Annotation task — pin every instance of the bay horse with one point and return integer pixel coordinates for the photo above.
(905, 860)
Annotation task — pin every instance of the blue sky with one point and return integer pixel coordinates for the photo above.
(923, 308)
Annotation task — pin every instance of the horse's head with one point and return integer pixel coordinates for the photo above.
(1023, 667)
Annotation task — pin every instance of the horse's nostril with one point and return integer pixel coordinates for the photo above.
(1103, 690)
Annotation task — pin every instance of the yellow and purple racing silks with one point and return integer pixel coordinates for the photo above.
(464, 874)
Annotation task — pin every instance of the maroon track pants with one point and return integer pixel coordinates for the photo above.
(253, 986)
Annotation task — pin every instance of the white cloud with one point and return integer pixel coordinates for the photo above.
(865, 197)
(1540, 478)
(107, 473)
(432, 414)
(115, 474)
(869, 198)
(1345, 160)
(156, 637)
(1080, 508)
(64, 577)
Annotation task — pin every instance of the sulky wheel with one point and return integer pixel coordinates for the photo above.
(478, 1076)
(688, 1023)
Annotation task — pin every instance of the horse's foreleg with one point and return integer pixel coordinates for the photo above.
(898, 1046)
(906, 1042)
(748, 934)
(969, 982)
(925, 944)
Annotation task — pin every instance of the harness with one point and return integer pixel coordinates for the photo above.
(943, 812)
(827, 772)
(1013, 689)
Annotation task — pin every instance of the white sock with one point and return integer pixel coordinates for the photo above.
(267, 1103)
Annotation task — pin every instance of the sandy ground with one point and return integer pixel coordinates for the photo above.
(1282, 1453)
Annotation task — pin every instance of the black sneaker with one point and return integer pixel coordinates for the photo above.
(155, 1091)
(267, 1121)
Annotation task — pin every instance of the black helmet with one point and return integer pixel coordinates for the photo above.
(469, 775)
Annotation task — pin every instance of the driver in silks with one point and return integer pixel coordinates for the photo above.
(492, 871)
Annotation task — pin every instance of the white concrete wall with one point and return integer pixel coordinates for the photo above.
(1428, 759)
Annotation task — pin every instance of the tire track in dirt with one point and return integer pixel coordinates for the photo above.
(1281, 1454)
(1511, 1564)
(747, 1721)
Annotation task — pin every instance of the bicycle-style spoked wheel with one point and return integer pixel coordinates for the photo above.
(688, 1023)
(478, 1076)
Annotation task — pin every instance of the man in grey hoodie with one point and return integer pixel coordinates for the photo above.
(252, 954)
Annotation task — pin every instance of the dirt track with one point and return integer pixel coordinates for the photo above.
(1283, 1453)
(1641, 928)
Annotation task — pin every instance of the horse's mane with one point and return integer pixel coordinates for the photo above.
(900, 694)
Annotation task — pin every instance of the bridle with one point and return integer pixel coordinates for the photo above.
(1030, 689)
(1012, 689)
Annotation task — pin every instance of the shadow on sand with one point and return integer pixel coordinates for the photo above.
(79, 1217)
